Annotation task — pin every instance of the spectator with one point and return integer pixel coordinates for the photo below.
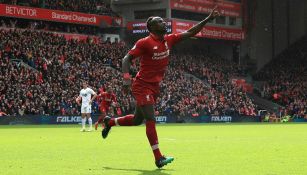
(59, 65)
(84, 6)
(285, 79)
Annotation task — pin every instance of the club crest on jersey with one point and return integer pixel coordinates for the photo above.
(155, 48)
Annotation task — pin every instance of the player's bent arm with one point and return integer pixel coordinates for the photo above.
(95, 95)
(78, 99)
(126, 63)
(198, 27)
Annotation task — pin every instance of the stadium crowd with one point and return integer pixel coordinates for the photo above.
(7, 22)
(83, 6)
(59, 66)
(286, 80)
(224, 97)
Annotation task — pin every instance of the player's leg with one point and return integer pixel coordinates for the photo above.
(90, 121)
(128, 120)
(101, 117)
(83, 117)
(148, 112)
(103, 111)
(151, 132)
(138, 116)
(139, 92)
(83, 120)
(88, 112)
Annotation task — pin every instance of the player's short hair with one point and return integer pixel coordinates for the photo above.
(149, 23)
(84, 82)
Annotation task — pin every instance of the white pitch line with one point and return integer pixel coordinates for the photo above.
(170, 139)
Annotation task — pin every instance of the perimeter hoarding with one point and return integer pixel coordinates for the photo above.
(58, 16)
(226, 8)
(177, 26)
(40, 119)
(210, 31)
(137, 27)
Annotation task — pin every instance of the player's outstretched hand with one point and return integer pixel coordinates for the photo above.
(214, 13)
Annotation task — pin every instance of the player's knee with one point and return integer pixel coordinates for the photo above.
(137, 122)
(151, 118)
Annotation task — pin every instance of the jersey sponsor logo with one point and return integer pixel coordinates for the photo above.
(160, 55)
(84, 95)
(68, 119)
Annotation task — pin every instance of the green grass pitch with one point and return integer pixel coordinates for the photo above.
(199, 149)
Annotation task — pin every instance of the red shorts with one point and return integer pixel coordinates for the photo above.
(145, 93)
(104, 108)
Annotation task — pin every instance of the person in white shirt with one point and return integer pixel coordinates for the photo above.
(87, 95)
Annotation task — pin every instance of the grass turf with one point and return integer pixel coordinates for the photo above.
(199, 149)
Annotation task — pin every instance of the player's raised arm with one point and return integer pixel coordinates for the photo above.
(198, 27)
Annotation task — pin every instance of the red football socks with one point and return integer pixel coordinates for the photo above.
(122, 121)
(150, 131)
(153, 138)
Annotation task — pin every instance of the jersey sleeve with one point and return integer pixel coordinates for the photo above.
(138, 49)
(91, 91)
(174, 38)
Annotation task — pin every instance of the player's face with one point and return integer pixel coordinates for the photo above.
(84, 84)
(159, 25)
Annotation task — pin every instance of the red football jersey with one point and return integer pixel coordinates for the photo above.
(154, 56)
(107, 98)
